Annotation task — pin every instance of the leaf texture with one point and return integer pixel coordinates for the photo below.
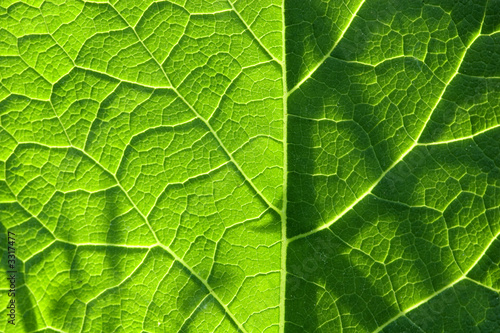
(251, 165)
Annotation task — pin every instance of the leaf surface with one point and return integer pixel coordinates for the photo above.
(251, 165)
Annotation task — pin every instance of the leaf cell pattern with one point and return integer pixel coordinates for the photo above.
(251, 165)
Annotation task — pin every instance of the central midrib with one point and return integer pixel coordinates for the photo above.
(284, 240)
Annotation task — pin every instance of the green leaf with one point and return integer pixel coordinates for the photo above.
(250, 165)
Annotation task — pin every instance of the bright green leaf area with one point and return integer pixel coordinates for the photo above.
(251, 165)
